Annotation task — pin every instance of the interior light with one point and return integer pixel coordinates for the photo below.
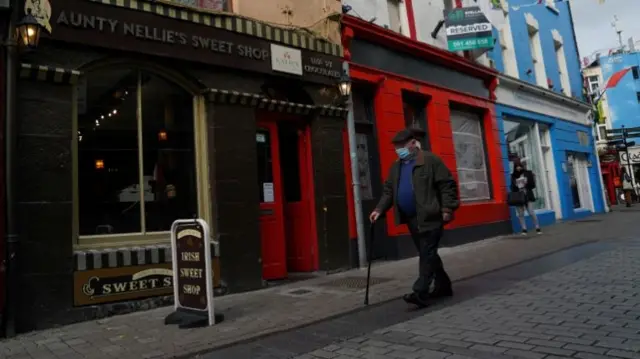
(162, 135)
(109, 114)
(102, 117)
(115, 112)
(99, 164)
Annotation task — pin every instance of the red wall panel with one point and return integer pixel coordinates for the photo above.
(388, 108)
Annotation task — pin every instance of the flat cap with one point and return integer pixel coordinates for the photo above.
(418, 133)
(403, 136)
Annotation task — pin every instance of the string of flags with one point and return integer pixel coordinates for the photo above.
(496, 4)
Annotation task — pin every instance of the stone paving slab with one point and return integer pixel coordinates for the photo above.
(587, 310)
(258, 313)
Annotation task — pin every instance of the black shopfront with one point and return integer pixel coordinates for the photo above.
(131, 116)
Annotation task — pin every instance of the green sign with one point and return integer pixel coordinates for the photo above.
(468, 29)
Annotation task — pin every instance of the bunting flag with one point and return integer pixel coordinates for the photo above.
(541, 2)
(616, 77)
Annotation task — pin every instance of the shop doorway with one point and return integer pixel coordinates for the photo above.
(371, 188)
(287, 215)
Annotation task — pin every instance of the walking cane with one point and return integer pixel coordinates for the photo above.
(371, 236)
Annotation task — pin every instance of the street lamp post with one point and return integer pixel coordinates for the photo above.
(22, 35)
(344, 86)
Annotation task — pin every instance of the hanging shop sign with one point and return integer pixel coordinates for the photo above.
(121, 28)
(468, 28)
(634, 156)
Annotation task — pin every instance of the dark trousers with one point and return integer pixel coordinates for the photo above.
(431, 266)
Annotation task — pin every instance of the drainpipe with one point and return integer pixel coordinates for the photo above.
(10, 134)
(355, 180)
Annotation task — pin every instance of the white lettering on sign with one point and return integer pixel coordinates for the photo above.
(468, 29)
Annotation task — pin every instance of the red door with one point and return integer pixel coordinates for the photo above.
(299, 198)
(272, 234)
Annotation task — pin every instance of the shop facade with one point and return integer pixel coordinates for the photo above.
(134, 114)
(400, 83)
(550, 134)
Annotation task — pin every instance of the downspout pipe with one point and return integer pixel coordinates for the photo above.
(355, 179)
(10, 137)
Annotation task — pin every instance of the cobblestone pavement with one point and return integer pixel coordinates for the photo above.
(587, 310)
(255, 314)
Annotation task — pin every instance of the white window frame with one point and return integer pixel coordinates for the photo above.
(533, 30)
(395, 16)
(581, 172)
(591, 82)
(563, 71)
(550, 175)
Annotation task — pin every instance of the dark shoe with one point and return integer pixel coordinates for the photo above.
(524, 232)
(538, 231)
(415, 299)
(442, 293)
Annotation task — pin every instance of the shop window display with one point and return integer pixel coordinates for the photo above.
(135, 153)
(468, 138)
(523, 143)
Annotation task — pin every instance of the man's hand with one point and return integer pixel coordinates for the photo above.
(446, 217)
(374, 216)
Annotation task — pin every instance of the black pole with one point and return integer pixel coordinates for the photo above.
(10, 136)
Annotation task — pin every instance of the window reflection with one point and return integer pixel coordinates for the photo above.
(117, 182)
(468, 139)
(523, 143)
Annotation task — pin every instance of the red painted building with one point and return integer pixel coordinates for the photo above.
(399, 82)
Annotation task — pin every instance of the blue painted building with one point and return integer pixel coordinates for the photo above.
(542, 113)
(623, 101)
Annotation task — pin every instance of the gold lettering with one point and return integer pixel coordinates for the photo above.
(120, 287)
(191, 289)
(167, 281)
(133, 286)
(190, 273)
(106, 288)
(191, 256)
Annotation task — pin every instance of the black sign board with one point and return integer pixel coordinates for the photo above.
(192, 275)
(117, 27)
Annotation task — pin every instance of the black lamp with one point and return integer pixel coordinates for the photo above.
(28, 31)
(344, 85)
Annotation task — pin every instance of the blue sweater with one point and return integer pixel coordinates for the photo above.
(406, 197)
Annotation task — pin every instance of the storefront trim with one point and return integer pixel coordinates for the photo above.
(49, 74)
(354, 27)
(230, 22)
(261, 102)
(523, 95)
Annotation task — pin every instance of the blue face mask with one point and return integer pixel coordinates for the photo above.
(403, 152)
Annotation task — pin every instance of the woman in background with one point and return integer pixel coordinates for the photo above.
(523, 180)
(627, 186)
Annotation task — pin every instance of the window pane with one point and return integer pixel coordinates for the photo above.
(522, 142)
(168, 153)
(414, 110)
(108, 185)
(265, 166)
(364, 169)
(470, 156)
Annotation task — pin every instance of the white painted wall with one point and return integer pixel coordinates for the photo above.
(378, 9)
(512, 92)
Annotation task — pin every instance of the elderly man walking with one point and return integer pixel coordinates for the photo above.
(424, 195)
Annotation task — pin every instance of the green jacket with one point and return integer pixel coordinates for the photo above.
(435, 190)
